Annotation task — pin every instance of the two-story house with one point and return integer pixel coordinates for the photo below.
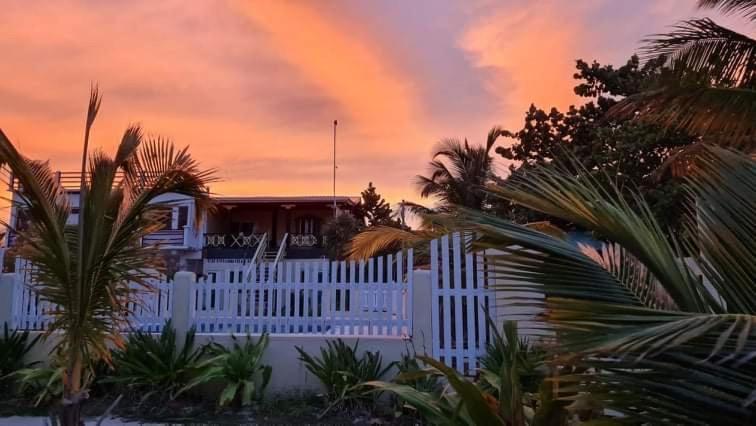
(241, 229)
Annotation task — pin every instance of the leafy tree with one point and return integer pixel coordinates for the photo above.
(338, 232)
(458, 172)
(86, 269)
(625, 153)
(711, 90)
(373, 210)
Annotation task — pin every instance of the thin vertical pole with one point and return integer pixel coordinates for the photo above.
(335, 123)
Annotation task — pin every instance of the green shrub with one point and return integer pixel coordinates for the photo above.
(14, 346)
(343, 373)
(44, 385)
(502, 351)
(240, 368)
(154, 365)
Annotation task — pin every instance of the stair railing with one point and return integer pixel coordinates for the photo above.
(281, 251)
(262, 244)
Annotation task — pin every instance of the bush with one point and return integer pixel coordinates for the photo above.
(42, 384)
(343, 373)
(240, 368)
(502, 351)
(14, 346)
(154, 365)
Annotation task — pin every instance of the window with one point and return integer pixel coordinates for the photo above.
(308, 225)
(183, 216)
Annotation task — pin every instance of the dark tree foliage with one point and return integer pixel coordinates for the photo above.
(373, 209)
(338, 232)
(626, 152)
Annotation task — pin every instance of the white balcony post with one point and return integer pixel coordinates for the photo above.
(182, 309)
(7, 298)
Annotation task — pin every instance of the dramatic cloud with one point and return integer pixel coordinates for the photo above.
(253, 86)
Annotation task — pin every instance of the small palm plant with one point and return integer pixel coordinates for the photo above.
(240, 368)
(87, 270)
(343, 373)
(157, 365)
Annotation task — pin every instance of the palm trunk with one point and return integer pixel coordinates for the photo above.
(72, 396)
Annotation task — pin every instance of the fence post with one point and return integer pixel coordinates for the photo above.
(181, 311)
(422, 318)
(7, 298)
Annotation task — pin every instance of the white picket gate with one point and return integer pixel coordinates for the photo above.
(366, 298)
(460, 301)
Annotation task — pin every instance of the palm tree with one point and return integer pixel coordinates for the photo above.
(664, 331)
(86, 270)
(711, 90)
(458, 172)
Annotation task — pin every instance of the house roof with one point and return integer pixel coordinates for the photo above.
(340, 199)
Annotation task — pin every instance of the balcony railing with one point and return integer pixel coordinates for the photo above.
(306, 240)
(165, 237)
(237, 240)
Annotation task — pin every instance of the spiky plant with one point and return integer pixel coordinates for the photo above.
(85, 269)
(240, 368)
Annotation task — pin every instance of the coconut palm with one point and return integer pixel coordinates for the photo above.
(458, 172)
(711, 90)
(664, 330)
(86, 270)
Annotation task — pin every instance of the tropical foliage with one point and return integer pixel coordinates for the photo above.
(458, 172)
(86, 269)
(14, 346)
(654, 326)
(240, 368)
(712, 90)
(158, 366)
(343, 373)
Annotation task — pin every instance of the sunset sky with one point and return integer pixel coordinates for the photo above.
(253, 86)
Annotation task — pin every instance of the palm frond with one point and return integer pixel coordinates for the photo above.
(375, 240)
(722, 189)
(646, 345)
(725, 116)
(746, 8)
(724, 57)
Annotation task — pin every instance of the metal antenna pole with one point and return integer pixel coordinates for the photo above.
(335, 123)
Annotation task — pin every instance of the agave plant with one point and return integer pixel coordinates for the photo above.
(86, 269)
(157, 365)
(662, 330)
(343, 373)
(240, 368)
(14, 346)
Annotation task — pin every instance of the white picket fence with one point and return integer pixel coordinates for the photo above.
(460, 302)
(366, 298)
(370, 298)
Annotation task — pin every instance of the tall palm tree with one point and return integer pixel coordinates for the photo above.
(458, 172)
(711, 90)
(664, 330)
(86, 270)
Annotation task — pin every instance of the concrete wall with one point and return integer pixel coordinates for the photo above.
(289, 374)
